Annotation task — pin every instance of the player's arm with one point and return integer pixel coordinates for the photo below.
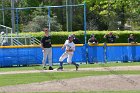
(96, 41)
(64, 45)
(89, 42)
(117, 36)
(43, 49)
(135, 40)
(73, 48)
(105, 35)
(128, 40)
(41, 45)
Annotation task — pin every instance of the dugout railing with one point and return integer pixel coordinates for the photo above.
(100, 53)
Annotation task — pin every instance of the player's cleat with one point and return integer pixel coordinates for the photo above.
(60, 69)
(77, 66)
(44, 68)
(50, 68)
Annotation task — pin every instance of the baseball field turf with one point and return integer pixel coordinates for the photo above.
(28, 78)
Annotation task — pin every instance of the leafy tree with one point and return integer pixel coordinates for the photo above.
(7, 13)
(101, 14)
(40, 22)
(106, 13)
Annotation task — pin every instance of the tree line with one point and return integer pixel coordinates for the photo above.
(101, 15)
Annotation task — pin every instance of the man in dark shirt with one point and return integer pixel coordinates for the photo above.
(76, 40)
(46, 49)
(92, 40)
(131, 39)
(110, 37)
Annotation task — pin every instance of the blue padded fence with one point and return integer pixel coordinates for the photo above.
(122, 52)
(95, 54)
(28, 55)
(18, 56)
(79, 54)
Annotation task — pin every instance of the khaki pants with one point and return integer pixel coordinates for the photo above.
(47, 54)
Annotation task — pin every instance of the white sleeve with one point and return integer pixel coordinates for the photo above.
(66, 42)
(73, 47)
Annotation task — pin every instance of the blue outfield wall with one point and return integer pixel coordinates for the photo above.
(28, 55)
(18, 56)
(95, 54)
(123, 53)
(79, 54)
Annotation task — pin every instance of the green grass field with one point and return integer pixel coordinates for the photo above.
(98, 92)
(69, 66)
(15, 79)
(95, 92)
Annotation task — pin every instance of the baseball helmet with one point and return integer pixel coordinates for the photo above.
(70, 36)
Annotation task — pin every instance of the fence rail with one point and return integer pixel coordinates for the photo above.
(19, 40)
(9, 38)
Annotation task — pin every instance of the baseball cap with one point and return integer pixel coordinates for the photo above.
(92, 35)
(70, 36)
(46, 29)
(2, 33)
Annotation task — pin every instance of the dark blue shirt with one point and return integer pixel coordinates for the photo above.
(93, 40)
(130, 40)
(46, 41)
(76, 41)
(111, 39)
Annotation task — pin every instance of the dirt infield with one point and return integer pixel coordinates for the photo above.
(89, 83)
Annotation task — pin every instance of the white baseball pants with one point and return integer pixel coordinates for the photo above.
(67, 55)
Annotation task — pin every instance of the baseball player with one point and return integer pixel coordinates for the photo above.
(69, 50)
(3, 40)
(92, 40)
(110, 37)
(132, 39)
(46, 49)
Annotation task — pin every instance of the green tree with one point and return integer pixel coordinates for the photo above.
(7, 13)
(40, 22)
(108, 12)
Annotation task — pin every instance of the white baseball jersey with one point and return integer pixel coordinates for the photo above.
(68, 55)
(69, 45)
